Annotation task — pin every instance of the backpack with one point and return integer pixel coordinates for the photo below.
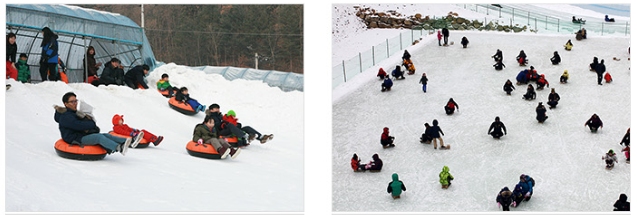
(532, 182)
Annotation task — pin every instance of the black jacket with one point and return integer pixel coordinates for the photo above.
(505, 197)
(541, 112)
(112, 75)
(464, 41)
(556, 59)
(499, 65)
(497, 127)
(445, 32)
(600, 69)
(377, 163)
(622, 204)
(423, 80)
(136, 76)
(12, 50)
(508, 87)
(554, 97)
(406, 55)
(72, 127)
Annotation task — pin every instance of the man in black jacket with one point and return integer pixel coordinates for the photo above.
(600, 69)
(497, 128)
(135, 76)
(113, 73)
(445, 34)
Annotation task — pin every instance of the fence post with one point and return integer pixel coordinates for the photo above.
(373, 56)
(412, 36)
(400, 39)
(344, 75)
(500, 16)
(558, 25)
(546, 23)
(626, 32)
(602, 29)
(360, 62)
(487, 9)
(387, 41)
(510, 24)
(528, 18)
(513, 13)
(535, 25)
(476, 7)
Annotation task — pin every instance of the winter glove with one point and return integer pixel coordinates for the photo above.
(200, 141)
(499, 205)
(527, 195)
(515, 204)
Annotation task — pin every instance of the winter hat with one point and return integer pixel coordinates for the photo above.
(623, 197)
(116, 119)
(532, 68)
(385, 129)
(215, 105)
(435, 122)
(231, 113)
(522, 176)
(611, 152)
(497, 118)
(565, 71)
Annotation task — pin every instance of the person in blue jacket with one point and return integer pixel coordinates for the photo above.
(521, 78)
(387, 84)
(527, 186)
(49, 60)
(397, 73)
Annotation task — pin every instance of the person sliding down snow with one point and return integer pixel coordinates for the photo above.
(608, 78)
(594, 123)
(206, 133)
(610, 159)
(521, 58)
(556, 59)
(381, 74)
(376, 164)
(522, 77)
(387, 84)
(499, 65)
(497, 128)
(505, 198)
(540, 113)
(508, 87)
(568, 46)
(409, 65)
(395, 187)
(497, 56)
(230, 117)
(445, 177)
(397, 74)
(386, 140)
(608, 19)
(426, 137)
(356, 163)
(518, 195)
(527, 183)
(564, 77)
(530, 93)
(451, 106)
(120, 128)
(553, 99)
(541, 82)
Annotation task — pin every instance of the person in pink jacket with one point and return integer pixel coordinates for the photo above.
(439, 38)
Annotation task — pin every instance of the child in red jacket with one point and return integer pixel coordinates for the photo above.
(120, 128)
(230, 117)
(608, 78)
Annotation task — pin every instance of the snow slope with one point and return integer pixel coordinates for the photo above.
(266, 177)
(561, 154)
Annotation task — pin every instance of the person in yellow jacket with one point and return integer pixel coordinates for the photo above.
(568, 46)
(564, 77)
(445, 177)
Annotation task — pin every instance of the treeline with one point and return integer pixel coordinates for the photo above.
(222, 35)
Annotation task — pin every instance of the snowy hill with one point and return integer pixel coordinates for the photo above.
(562, 155)
(162, 178)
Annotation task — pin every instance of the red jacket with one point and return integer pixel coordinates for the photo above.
(229, 119)
(382, 72)
(122, 129)
(354, 164)
(607, 77)
(385, 134)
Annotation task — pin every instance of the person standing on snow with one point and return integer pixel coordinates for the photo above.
(594, 64)
(435, 134)
(505, 198)
(497, 128)
(439, 38)
(445, 34)
(395, 187)
(600, 69)
(518, 195)
(423, 81)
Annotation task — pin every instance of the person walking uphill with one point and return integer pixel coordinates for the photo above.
(135, 76)
(600, 69)
(49, 60)
(505, 199)
(423, 81)
(445, 34)
(395, 187)
(445, 177)
(439, 38)
(77, 127)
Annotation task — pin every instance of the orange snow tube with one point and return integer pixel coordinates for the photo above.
(85, 152)
(142, 144)
(181, 107)
(164, 93)
(232, 140)
(202, 151)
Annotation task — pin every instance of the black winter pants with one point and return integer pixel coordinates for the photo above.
(45, 68)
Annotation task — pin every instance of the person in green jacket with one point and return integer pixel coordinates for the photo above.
(395, 187)
(445, 177)
(205, 133)
(24, 73)
(164, 84)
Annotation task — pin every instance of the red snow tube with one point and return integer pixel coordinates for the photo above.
(142, 144)
(202, 151)
(85, 152)
(181, 107)
(164, 93)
